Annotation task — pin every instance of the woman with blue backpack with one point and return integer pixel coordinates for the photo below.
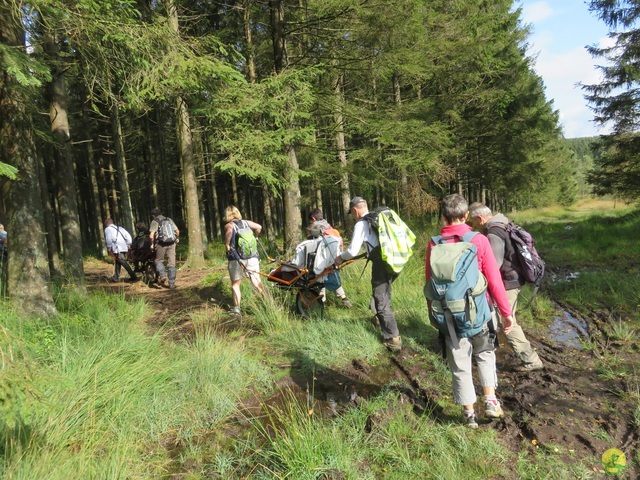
(461, 275)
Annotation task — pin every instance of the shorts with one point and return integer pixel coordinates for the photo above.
(237, 272)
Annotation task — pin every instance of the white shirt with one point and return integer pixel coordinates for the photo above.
(117, 239)
(362, 233)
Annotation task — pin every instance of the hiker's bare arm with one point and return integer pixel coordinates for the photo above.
(228, 233)
(256, 227)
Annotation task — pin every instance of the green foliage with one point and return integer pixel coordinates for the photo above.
(8, 171)
(26, 71)
(283, 102)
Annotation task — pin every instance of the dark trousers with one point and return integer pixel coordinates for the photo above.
(121, 261)
(381, 279)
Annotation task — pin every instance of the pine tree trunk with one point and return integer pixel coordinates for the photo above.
(65, 178)
(268, 216)
(50, 226)
(95, 193)
(293, 218)
(195, 258)
(28, 277)
(121, 166)
(404, 178)
(340, 142)
(162, 167)
(196, 250)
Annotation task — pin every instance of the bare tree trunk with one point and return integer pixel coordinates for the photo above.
(196, 250)
(28, 276)
(153, 163)
(293, 218)
(234, 191)
(404, 179)
(341, 148)
(121, 166)
(251, 73)
(319, 204)
(114, 207)
(95, 193)
(64, 172)
(166, 196)
(266, 202)
(50, 226)
(251, 66)
(199, 169)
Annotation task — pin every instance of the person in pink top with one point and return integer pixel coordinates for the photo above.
(454, 211)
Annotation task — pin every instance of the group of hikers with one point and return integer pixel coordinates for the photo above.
(152, 244)
(472, 279)
(467, 325)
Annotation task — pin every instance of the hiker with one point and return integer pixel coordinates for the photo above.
(319, 226)
(479, 347)
(118, 241)
(381, 275)
(242, 253)
(4, 244)
(494, 227)
(140, 250)
(164, 237)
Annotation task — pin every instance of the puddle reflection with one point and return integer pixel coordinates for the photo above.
(567, 330)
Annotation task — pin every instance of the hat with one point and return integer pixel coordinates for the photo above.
(156, 211)
(355, 201)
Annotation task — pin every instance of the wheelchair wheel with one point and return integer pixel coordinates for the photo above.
(149, 275)
(309, 303)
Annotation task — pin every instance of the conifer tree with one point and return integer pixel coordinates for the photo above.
(616, 100)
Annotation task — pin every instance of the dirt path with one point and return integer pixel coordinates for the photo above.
(577, 408)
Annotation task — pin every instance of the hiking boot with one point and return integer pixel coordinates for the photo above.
(235, 311)
(394, 344)
(162, 281)
(493, 410)
(132, 280)
(172, 286)
(470, 421)
(346, 303)
(112, 280)
(530, 367)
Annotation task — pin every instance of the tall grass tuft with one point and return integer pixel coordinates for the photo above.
(378, 440)
(92, 395)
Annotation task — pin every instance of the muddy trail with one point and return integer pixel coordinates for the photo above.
(579, 404)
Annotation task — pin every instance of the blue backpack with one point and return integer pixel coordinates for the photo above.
(457, 288)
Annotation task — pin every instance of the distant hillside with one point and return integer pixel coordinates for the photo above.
(586, 152)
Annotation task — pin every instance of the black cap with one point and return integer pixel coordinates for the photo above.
(355, 201)
(156, 211)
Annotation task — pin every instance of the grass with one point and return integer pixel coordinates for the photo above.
(92, 395)
(593, 251)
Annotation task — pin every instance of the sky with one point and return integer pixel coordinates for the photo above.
(560, 31)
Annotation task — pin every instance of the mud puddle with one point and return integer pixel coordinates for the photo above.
(568, 331)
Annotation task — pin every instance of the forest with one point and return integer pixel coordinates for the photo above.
(110, 109)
